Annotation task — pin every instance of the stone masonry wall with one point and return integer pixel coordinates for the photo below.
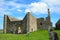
(5, 24)
(24, 24)
(40, 24)
(32, 23)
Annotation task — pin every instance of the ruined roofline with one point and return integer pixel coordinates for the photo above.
(40, 18)
(12, 18)
(32, 15)
(28, 13)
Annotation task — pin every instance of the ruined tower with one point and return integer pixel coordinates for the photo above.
(48, 15)
(48, 20)
(48, 12)
(43, 24)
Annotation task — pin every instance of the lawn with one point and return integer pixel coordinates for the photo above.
(37, 35)
(1, 31)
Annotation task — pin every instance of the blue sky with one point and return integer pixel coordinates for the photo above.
(38, 8)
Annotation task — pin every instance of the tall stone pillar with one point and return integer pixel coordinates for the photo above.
(48, 15)
(48, 12)
(5, 24)
(48, 20)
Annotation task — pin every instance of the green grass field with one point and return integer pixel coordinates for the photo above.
(37, 35)
(1, 31)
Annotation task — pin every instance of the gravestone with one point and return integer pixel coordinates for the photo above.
(53, 35)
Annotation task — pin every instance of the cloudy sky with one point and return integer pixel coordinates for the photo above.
(38, 8)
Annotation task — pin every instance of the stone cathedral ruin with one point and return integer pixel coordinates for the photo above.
(28, 24)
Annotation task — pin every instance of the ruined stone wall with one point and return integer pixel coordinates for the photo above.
(24, 25)
(14, 24)
(5, 23)
(29, 23)
(43, 24)
(11, 24)
(33, 23)
(8, 26)
(48, 22)
(40, 24)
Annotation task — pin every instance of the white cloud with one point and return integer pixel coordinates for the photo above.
(19, 10)
(27, 10)
(42, 6)
(38, 7)
(9, 7)
(3, 11)
(54, 5)
(52, 2)
(16, 5)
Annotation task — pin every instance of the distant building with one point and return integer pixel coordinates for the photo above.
(58, 25)
(28, 24)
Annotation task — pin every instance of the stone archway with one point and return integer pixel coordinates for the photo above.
(31, 29)
(19, 30)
